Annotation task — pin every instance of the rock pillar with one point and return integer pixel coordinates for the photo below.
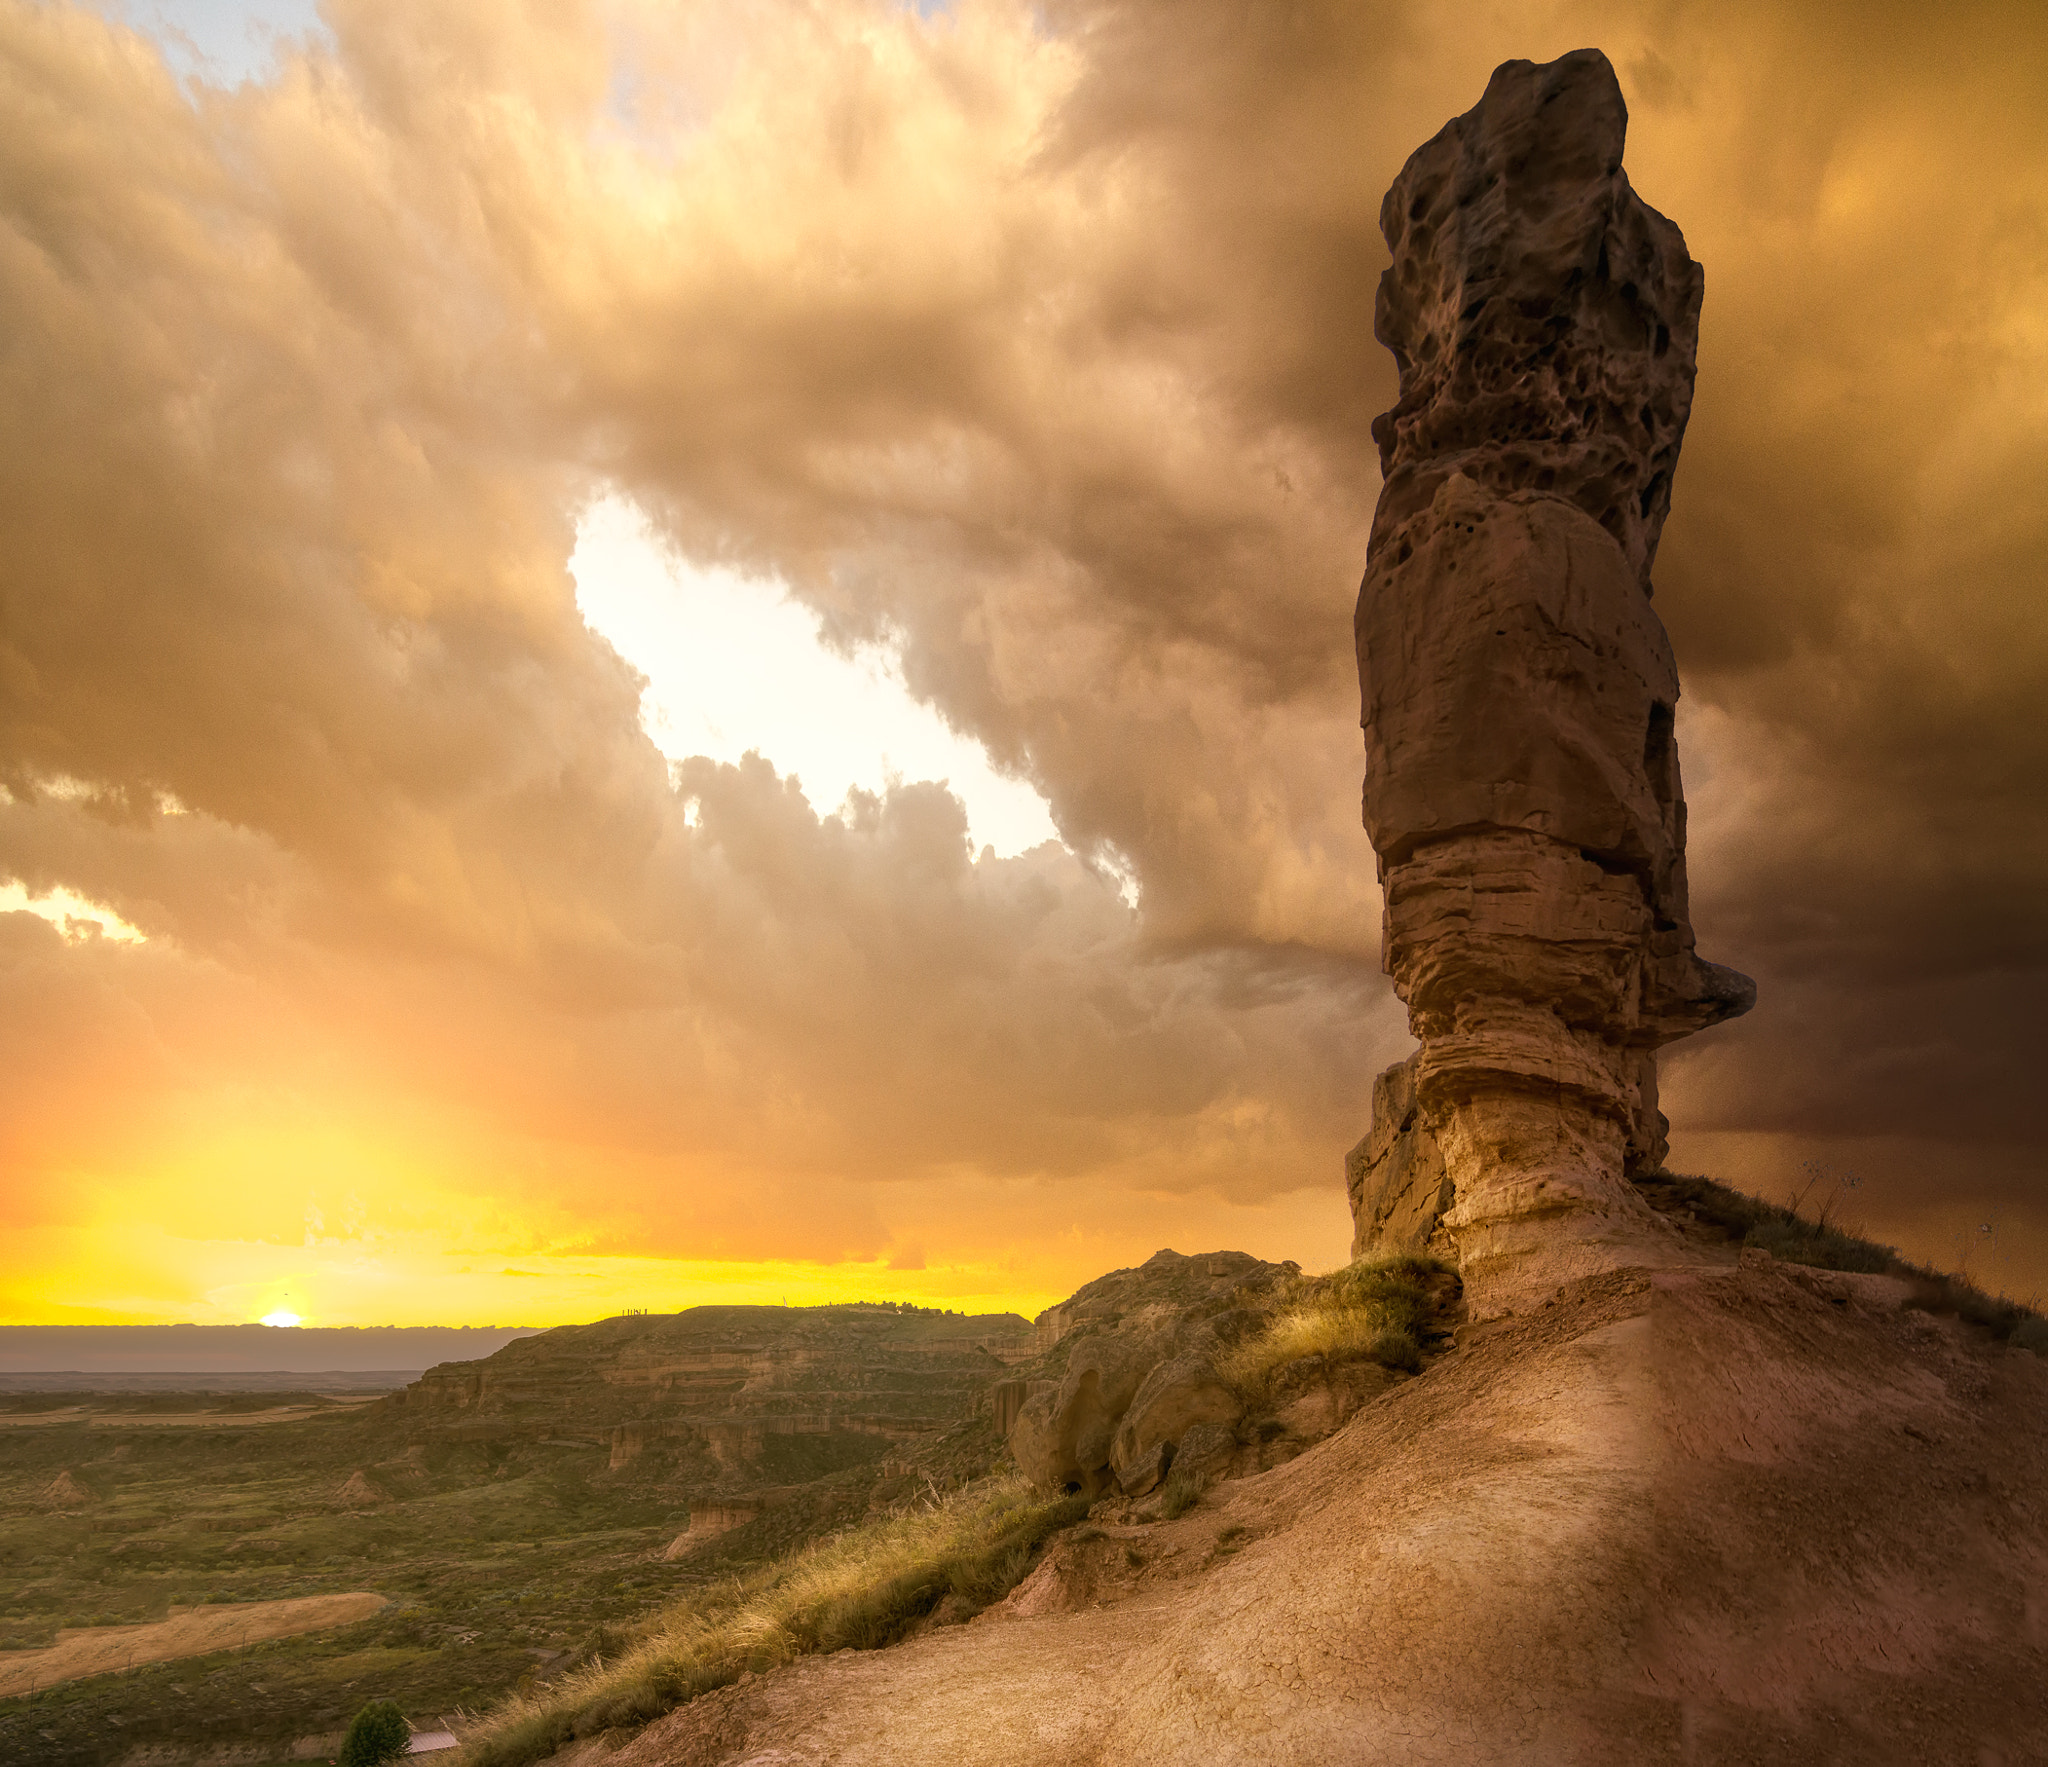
(1522, 787)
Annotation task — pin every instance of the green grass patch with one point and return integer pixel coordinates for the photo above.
(861, 1589)
(1376, 1310)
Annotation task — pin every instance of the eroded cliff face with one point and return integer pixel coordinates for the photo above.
(1519, 692)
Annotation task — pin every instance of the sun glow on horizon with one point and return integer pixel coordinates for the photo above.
(281, 1318)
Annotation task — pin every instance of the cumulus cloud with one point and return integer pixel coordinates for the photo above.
(1034, 341)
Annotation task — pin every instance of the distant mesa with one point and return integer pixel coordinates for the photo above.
(727, 1404)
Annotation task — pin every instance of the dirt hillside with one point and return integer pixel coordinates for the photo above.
(1734, 1512)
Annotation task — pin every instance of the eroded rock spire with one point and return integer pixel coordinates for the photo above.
(1522, 787)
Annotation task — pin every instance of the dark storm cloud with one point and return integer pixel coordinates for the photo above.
(1039, 342)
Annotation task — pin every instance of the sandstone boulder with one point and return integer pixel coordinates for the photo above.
(1138, 1474)
(1178, 1394)
(1062, 1438)
(1207, 1451)
(1129, 1370)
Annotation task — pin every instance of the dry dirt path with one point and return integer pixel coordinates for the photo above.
(196, 1632)
(1711, 1515)
(94, 1418)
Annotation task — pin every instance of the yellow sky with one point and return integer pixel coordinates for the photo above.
(443, 974)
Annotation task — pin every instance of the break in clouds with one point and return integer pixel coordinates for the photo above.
(1034, 341)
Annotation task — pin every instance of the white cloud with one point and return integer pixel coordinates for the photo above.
(70, 913)
(732, 664)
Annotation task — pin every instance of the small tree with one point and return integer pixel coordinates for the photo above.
(379, 1734)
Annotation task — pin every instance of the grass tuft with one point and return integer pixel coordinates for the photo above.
(1796, 1241)
(1376, 1310)
(860, 1589)
(1183, 1491)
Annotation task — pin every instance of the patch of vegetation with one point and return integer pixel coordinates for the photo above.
(862, 1588)
(1183, 1491)
(1821, 1247)
(1787, 1231)
(1378, 1309)
(378, 1733)
(1794, 1236)
(498, 1565)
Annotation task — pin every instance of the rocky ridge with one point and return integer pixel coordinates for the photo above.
(1728, 1512)
(753, 1416)
(1139, 1380)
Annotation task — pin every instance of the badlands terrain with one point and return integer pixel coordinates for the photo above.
(1737, 1507)
(487, 1527)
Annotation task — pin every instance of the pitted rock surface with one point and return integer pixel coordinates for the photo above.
(1519, 693)
(1543, 316)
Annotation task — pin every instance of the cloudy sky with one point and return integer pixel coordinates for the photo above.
(654, 652)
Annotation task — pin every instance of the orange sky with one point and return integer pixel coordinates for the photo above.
(1028, 347)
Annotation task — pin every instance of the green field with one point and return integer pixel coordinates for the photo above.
(503, 1564)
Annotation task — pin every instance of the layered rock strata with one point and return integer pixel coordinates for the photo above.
(1522, 785)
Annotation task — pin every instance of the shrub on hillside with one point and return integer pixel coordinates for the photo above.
(1183, 1491)
(378, 1734)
